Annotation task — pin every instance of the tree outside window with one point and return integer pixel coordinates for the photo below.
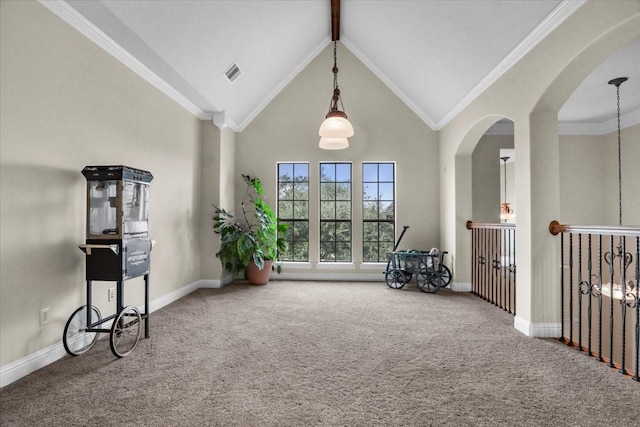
(335, 212)
(378, 211)
(293, 209)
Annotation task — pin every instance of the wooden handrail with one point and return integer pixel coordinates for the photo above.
(507, 226)
(615, 230)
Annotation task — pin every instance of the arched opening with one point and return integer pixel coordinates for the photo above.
(590, 175)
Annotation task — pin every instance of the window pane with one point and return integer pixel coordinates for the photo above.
(285, 172)
(343, 252)
(385, 248)
(343, 172)
(301, 190)
(285, 191)
(327, 191)
(343, 191)
(327, 251)
(370, 192)
(370, 252)
(327, 172)
(285, 209)
(327, 210)
(386, 232)
(327, 231)
(343, 210)
(385, 191)
(301, 209)
(300, 230)
(301, 251)
(386, 172)
(343, 231)
(386, 210)
(370, 172)
(370, 210)
(370, 231)
(301, 171)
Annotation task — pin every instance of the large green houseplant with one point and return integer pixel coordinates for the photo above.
(253, 235)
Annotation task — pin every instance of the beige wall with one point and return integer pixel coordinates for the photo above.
(66, 104)
(487, 185)
(588, 178)
(210, 156)
(385, 130)
(630, 176)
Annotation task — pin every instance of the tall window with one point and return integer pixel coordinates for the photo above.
(293, 209)
(335, 212)
(378, 211)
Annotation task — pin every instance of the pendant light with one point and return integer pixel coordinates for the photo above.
(617, 82)
(506, 213)
(336, 128)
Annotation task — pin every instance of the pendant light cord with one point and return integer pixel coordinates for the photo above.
(619, 161)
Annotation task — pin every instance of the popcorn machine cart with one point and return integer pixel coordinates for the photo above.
(117, 248)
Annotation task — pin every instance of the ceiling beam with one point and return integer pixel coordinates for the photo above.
(335, 20)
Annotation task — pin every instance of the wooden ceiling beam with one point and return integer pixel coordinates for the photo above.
(335, 20)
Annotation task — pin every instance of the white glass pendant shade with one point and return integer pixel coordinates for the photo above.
(333, 143)
(336, 127)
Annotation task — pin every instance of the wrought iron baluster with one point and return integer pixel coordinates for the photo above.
(562, 335)
(580, 293)
(600, 281)
(589, 309)
(623, 305)
(610, 364)
(570, 289)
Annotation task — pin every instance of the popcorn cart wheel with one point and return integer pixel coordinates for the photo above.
(117, 249)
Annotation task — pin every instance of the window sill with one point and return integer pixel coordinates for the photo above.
(335, 266)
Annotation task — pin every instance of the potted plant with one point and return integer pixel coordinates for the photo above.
(251, 240)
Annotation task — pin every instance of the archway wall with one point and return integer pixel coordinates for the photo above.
(530, 94)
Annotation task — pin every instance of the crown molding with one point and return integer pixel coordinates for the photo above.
(542, 30)
(93, 33)
(578, 128)
(602, 128)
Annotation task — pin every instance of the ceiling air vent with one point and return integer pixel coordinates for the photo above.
(233, 72)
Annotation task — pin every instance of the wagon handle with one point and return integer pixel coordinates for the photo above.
(404, 229)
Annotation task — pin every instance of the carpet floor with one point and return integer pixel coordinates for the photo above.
(327, 354)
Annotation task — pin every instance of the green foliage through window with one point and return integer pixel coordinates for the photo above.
(293, 209)
(378, 211)
(335, 212)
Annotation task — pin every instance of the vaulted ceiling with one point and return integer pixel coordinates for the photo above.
(437, 56)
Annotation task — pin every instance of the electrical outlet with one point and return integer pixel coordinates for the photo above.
(44, 316)
(112, 294)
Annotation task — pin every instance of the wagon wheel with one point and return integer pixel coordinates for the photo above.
(407, 276)
(425, 282)
(395, 279)
(441, 278)
(125, 331)
(76, 339)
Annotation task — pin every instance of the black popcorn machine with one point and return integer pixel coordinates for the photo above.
(117, 248)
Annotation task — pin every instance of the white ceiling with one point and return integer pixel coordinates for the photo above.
(437, 56)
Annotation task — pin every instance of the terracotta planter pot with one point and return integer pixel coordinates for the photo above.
(256, 276)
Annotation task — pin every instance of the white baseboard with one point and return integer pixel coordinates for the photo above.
(538, 330)
(338, 276)
(31, 363)
(461, 287)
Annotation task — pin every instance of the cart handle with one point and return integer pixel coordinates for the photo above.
(404, 229)
(87, 248)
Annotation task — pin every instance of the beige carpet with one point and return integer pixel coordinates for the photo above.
(327, 354)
